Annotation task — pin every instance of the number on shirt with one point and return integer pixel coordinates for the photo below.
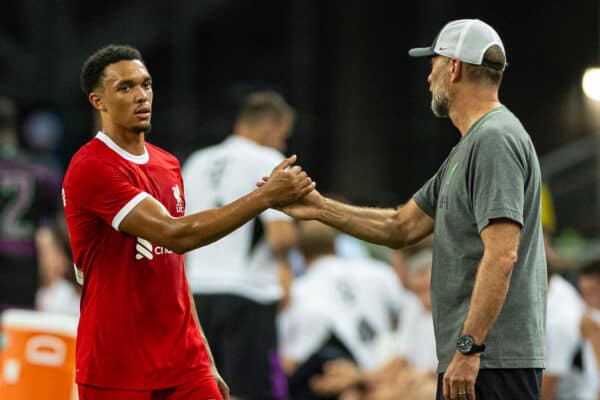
(16, 195)
(365, 331)
(216, 176)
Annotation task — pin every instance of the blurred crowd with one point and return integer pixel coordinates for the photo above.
(354, 321)
(36, 270)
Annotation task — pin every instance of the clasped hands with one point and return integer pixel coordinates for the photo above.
(291, 190)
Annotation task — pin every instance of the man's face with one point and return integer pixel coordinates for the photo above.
(127, 95)
(438, 85)
(276, 133)
(590, 290)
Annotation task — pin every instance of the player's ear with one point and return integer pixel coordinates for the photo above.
(96, 100)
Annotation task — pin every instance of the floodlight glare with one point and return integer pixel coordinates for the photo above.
(591, 83)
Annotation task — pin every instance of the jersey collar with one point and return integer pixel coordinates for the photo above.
(141, 159)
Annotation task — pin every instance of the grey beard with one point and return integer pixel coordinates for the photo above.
(440, 107)
(142, 129)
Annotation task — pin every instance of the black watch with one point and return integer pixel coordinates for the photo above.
(466, 345)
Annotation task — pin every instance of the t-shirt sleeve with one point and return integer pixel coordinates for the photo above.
(427, 196)
(497, 178)
(104, 190)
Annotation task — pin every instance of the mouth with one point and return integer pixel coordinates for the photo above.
(143, 113)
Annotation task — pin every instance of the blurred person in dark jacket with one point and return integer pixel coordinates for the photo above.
(29, 196)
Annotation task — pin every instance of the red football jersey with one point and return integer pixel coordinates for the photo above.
(136, 329)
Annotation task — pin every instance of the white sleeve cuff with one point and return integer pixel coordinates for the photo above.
(123, 212)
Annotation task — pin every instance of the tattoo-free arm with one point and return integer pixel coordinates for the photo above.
(151, 221)
(394, 228)
(501, 242)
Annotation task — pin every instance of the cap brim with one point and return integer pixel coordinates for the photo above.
(421, 52)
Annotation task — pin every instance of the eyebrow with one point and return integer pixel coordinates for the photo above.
(131, 82)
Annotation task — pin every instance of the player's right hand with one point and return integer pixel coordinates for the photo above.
(286, 184)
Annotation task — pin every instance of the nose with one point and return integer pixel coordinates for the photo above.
(141, 95)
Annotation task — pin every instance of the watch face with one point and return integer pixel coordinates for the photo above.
(464, 344)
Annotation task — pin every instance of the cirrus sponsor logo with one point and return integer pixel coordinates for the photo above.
(145, 249)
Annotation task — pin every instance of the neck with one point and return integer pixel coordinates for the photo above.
(247, 134)
(131, 142)
(310, 260)
(470, 104)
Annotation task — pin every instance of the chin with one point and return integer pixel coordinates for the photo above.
(146, 128)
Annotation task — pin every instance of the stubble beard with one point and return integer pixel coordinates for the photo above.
(440, 103)
(142, 129)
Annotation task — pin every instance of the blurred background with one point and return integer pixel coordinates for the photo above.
(365, 129)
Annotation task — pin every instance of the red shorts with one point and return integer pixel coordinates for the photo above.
(203, 389)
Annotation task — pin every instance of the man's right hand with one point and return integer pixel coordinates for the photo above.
(286, 186)
(306, 208)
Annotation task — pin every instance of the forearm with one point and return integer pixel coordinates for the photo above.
(374, 225)
(489, 294)
(203, 228)
(151, 221)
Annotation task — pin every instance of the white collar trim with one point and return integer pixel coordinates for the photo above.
(141, 159)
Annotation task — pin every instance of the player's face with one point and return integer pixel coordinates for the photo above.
(127, 95)
(590, 290)
(438, 85)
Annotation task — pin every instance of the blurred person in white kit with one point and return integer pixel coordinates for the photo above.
(411, 371)
(569, 365)
(339, 309)
(238, 281)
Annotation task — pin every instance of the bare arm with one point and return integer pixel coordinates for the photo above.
(390, 227)
(151, 221)
(501, 242)
(590, 330)
(281, 236)
(549, 385)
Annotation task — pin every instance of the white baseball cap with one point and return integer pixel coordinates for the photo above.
(466, 40)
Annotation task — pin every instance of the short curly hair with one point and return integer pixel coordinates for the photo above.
(93, 68)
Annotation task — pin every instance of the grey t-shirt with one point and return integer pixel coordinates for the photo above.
(493, 172)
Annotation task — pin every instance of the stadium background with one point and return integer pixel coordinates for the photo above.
(365, 129)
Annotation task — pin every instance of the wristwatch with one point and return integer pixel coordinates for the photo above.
(466, 345)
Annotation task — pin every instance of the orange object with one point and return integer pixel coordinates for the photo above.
(37, 357)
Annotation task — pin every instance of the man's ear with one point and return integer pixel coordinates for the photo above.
(95, 99)
(456, 70)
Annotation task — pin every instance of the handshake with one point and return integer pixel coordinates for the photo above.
(291, 190)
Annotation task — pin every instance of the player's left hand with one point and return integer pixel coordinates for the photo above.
(223, 388)
(460, 377)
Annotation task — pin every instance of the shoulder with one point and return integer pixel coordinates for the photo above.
(205, 155)
(156, 152)
(250, 150)
(500, 128)
(563, 291)
(90, 157)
